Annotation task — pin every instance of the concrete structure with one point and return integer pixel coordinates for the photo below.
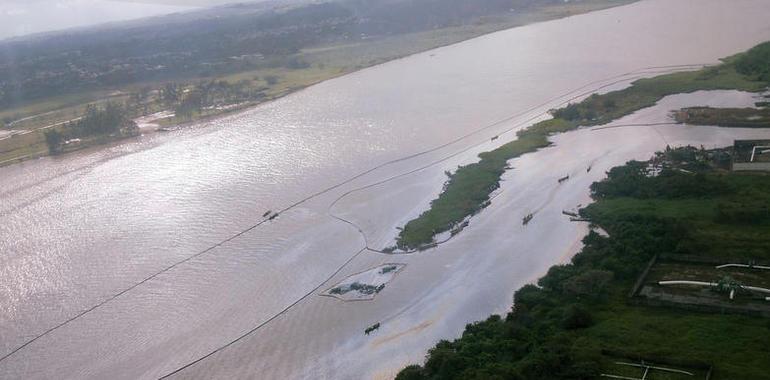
(751, 155)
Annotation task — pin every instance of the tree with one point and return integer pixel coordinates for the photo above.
(591, 283)
(570, 112)
(169, 94)
(412, 372)
(54, 139)
(271, 80)
(192, 103)
(139, 98)
(576, 317)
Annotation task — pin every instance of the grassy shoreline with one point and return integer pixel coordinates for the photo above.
(580, 319)
(469, 188)
(325, 63)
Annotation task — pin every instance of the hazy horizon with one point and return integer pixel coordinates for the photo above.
(24, 17)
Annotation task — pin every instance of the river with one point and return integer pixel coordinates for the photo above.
(135, 260)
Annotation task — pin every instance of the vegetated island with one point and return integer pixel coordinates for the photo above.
(608, 312)
(469, 188)
(187, 67)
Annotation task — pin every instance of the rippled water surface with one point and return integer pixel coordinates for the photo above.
(153, 220)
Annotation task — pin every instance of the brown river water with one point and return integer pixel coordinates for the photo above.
(152, 256)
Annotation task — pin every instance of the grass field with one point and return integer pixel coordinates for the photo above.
(734, 344)
(21, 146)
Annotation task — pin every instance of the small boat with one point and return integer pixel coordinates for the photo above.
(266, 213)
(495, 138)
(588, 170)
(372, 328)
(273, 216)
(562, 179)
(527, 219)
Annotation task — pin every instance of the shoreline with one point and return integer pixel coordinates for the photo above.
(470, 186)
(496, 249)
(548, 13)
(584, 307)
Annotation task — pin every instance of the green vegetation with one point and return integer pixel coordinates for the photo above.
(577, 321)
(468, 189)
(725, 117)
(727, 214)
(755, 63)
(112, 121)
(601, 109)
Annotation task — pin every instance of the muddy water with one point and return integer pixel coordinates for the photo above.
(144, 215)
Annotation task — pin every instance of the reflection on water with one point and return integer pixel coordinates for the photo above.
(81, 228)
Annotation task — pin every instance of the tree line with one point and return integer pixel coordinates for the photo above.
(112, 119)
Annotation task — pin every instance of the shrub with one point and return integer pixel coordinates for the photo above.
(412, 372)
(577, 317)
(54, 140)
(591, 283)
